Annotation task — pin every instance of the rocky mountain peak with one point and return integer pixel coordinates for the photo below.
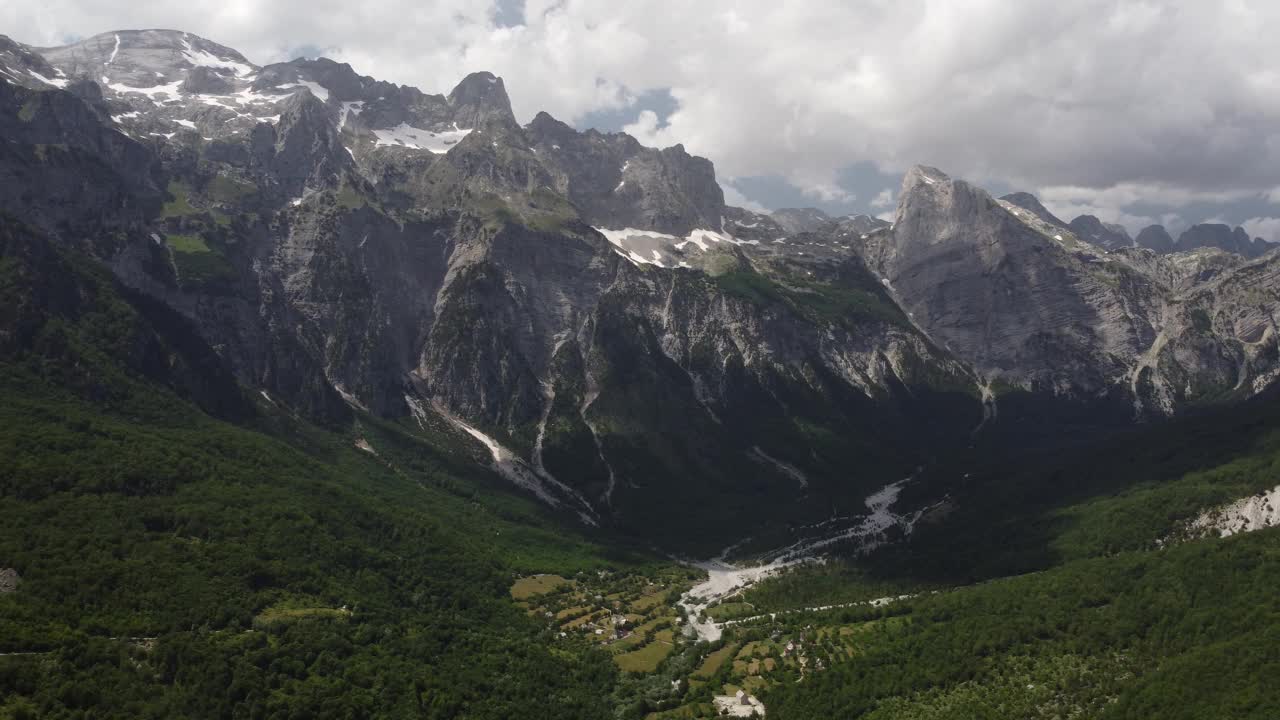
(20, 65)
(929, 194)
(1031, 203)
(1107, 236)
(480, 98)
(921, 176)
(617, 183)
(1221, 236)
(546, 127)
(1156, 238)
(146, 58)
(979, 275)
(308, 152)
(338, 81)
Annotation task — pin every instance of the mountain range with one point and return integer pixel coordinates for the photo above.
(331, 397)
(590, 308)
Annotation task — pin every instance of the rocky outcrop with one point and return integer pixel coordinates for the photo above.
(9, 579)
(1250, 514)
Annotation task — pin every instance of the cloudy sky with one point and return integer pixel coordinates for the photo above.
(1138, 111)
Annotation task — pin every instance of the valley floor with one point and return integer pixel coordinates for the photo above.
(1136, 595)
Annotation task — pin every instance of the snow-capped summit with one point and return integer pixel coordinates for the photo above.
(181, 87)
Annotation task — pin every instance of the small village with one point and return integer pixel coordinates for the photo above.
(639, 621)
(635, 618)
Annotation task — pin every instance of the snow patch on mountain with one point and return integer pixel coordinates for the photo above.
(650, 247)
(407, 136)
(204, 58)
(320, 91)
(631, 242)
(169, 92)
(249, 97)
(348, 109)
(56, 82)
(617, 237)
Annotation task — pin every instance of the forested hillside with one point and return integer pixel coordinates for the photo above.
(175, 564)
(1064, 585)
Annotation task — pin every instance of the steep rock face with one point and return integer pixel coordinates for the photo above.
(510, 297)
(1107, 236)
(1156, 239)
(307, 150)
(62, 170)
(347, 245)
(617, 183)
(1031, 304)
(1218, 341)
(749, 375)
(1019, 304)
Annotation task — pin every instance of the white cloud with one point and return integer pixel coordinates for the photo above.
(1267, 228)
(827, 192)
(733, 196)
(1112, 204)
(883, 200)
(1176, 97)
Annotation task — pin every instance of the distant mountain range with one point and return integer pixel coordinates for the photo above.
(589, 308)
